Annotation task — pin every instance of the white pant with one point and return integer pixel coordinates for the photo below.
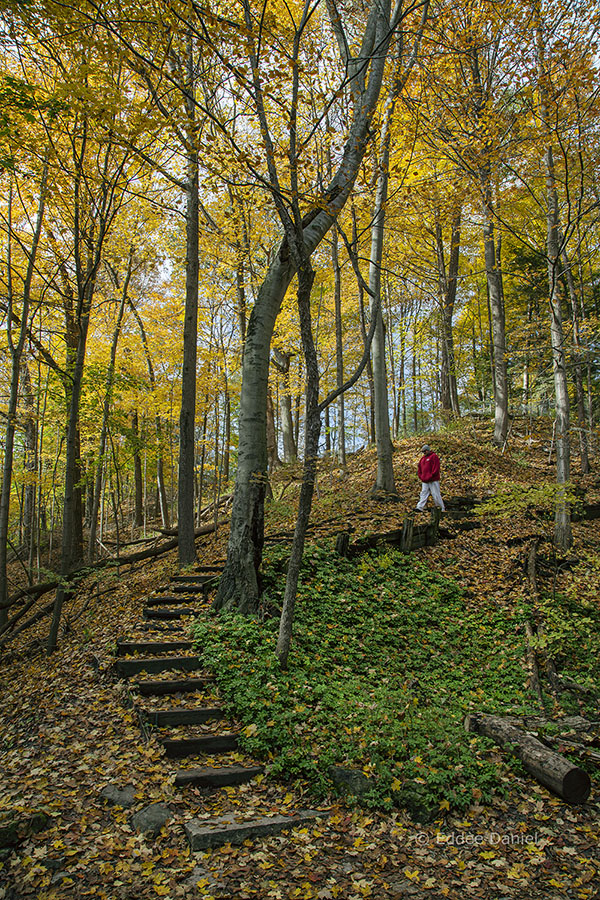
(433, 488)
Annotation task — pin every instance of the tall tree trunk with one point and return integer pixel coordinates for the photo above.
(106, 407)
(563, 536)
(239, 584)
(226, 436)
(306, 277)
(70, 548)
(30, 464)
(447, 281)
(339, 349)
(282, 361)
(163, 506)
(138, 512)
(187, 418)
(272, 452)
(384, 480)
(363, 329)
(577, 361)
(16, 352)
(497, 317)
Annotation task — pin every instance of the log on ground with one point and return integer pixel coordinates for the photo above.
(549, 768)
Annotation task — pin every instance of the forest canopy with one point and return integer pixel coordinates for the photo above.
(212, 216)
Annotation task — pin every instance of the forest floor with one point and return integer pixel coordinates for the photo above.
(67, 728)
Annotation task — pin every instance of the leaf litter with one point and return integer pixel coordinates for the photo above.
(68, 729)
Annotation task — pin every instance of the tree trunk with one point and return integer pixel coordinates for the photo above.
(384, 481)
(160, 469)
(447, 281)
(187, 418)
(339, 349)
(497, 319)
(306, 277)
(16, 351)
(239, 584)
(70, 548)
(563, 536)
(577, 363)
(30, 465)
(138, 514)
(272, 454)
(110, 377)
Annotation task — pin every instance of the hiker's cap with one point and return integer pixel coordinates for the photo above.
(425, 448)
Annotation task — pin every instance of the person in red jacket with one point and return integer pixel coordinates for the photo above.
(429, 473)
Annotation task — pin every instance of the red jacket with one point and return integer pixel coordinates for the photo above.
(429, 467)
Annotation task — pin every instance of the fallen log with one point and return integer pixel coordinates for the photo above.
(549, 768)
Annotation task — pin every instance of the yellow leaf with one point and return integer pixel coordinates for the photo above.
(444, 804)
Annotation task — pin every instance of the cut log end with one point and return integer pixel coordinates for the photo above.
(576, 786)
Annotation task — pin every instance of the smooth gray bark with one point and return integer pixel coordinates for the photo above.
(384, 481)
(16, 352)
(447, 281)
(290, 450)
(563, 536)
(187, 417)
(160, 469)
(497, 317)
(339, 350)
(106, 406)
(239, 584)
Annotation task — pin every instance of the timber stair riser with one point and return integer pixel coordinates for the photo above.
(163, 718)
(195, 579)
(168, 600)
(227, 776)
(197, 586)
(125, 648)
(160, 688)
(213, 743)
(168, 614)
(204, 835)
(156, 664)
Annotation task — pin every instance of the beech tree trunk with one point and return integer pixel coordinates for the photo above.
(290, 450)
(138, 513)
(187, 417)
(239, 584)
(384, 481)
(163, 506)
(339, 350)
(306, 277)
(110, 375)
(563, 536)
(16, 352)
(497, 324)
(447, 280)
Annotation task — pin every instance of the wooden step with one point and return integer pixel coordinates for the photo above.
(155, 664)
(206, 833)
(164, 718)
(124, 648)
(190, 588)
(216, 778)
(167, 614)
(168, 600)
(179, 686)
(199, 579)
(209, 743)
